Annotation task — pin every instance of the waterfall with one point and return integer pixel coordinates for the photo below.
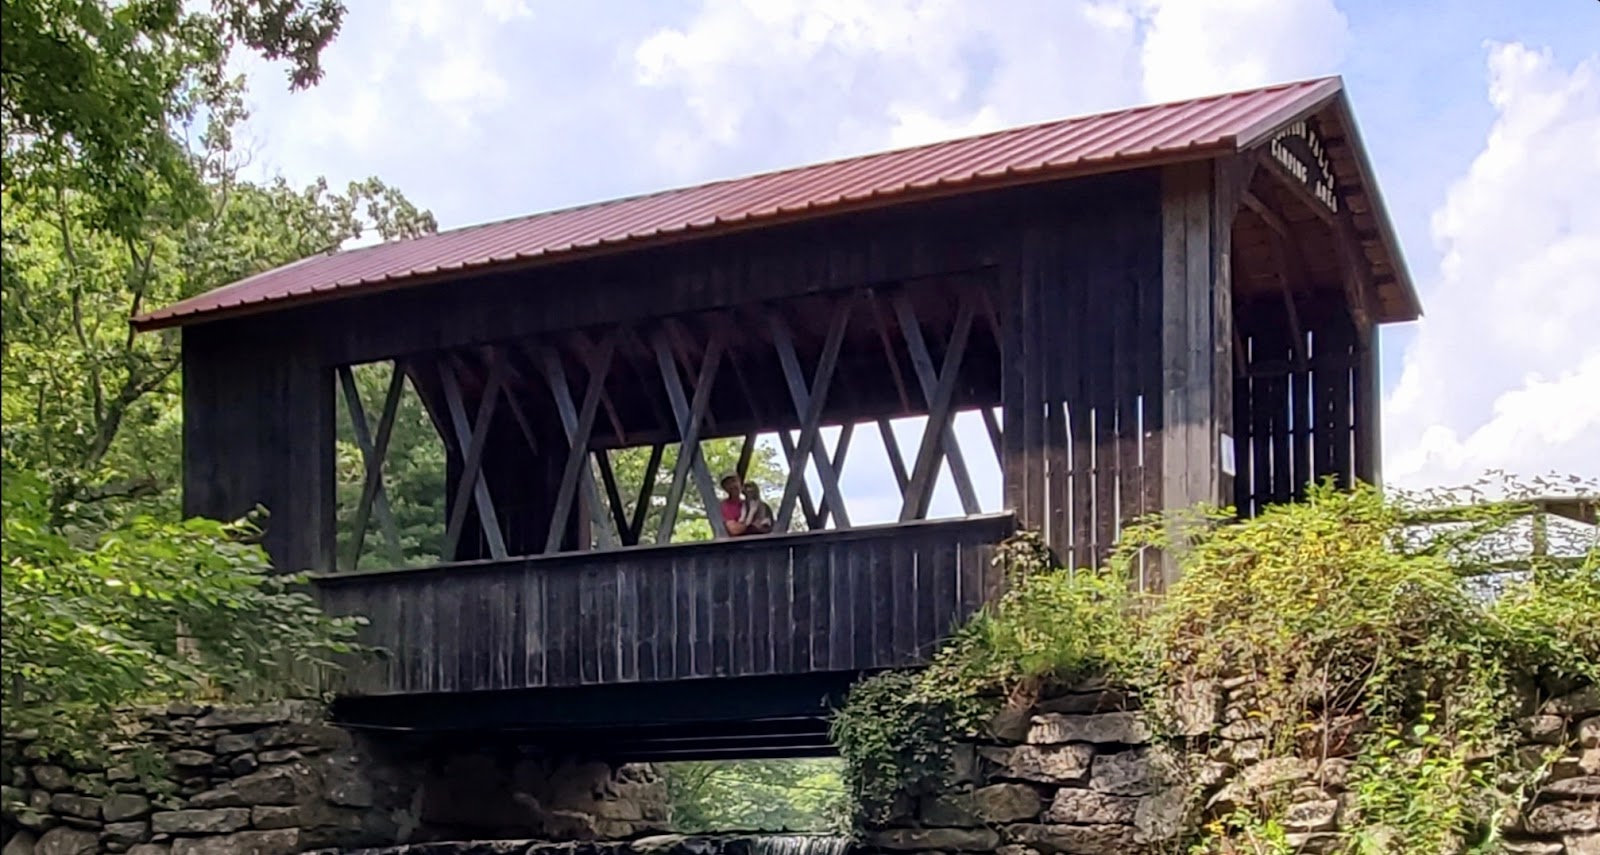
(800, 844)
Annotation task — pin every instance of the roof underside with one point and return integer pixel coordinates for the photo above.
(1125, 139)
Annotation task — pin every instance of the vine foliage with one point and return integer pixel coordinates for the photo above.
(1410, 634)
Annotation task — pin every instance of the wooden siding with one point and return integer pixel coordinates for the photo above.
(861, 599)
(1305, 410)
(1077, 276)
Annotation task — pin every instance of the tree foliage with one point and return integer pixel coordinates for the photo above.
(143, 611)
(757, 795)
(123, 191)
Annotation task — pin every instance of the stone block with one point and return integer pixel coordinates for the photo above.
(1582, 844)
(1314, 843)
(1589, 732)
(257, 715)
(1316, 815)
(1101, 728)
(1584, 702)
(1530, 847)
(125, 833)
(1564, 818)
(1585, 787)
(279, 755)
(150, 849)
(122, 772)
(1125, 774)
(67, 841)
(218, 821)
(1087, 807)
(1334, 773)
(305, 735)
(235, 743)
(1075, 703)
(1050, 764)
(274, 785)
(191, 758)
(1053, 839)
(282, 841)
(949, 809)
(125, 806)
(1010, 724)
(21, 843)
(52, 778)
(243, 765)
(923, 839)
(1544, 729)
(1160, 816)
(79, 806)
(1006, 802)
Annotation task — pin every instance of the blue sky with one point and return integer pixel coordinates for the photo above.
(1482, 118)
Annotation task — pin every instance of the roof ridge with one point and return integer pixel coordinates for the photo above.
(790, 170)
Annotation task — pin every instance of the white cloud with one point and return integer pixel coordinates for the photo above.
(1504, 371)
(1201, 47)
(765, 83)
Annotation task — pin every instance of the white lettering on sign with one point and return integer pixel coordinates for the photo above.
(1300, 150)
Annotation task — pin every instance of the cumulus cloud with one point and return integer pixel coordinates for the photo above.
(1505, 370)
(1199, 47)
(797, 81)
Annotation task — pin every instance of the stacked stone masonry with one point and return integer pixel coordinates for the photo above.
(1077, 774)
(277, 779)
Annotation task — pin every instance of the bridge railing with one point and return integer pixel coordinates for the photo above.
(831, 601)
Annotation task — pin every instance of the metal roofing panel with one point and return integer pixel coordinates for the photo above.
(1121, 139)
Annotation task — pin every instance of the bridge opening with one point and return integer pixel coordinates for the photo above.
(773, 795)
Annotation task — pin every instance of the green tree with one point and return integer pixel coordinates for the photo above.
(121, 191)
(101, 85)
(146, 610)
(757, 795)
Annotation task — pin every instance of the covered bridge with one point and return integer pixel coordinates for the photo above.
(1144, 309)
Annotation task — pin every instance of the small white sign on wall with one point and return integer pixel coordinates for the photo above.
(1229, 466)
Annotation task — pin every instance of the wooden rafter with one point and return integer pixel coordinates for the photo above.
(689, 416)
(808, 406)
(472, 438)
(579, 426)
(881, 323)
(1290, 266)
(840, 449)
(991, 424)
(808, 507)
(608, 478)
(373, 452)
(891, 447)
(647, 488)
(919, 491)
(1355, 278)
(811, 419)
(911, 331)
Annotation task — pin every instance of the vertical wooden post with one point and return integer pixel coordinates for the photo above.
(1368, 422)
(1196, 343)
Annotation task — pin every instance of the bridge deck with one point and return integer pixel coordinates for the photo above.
(806, 603)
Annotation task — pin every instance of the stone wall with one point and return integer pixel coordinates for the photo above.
(278, 779)
(1077, 773)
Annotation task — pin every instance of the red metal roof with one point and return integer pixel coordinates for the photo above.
(1123, 139)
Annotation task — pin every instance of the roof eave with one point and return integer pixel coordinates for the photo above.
(177, 316)
(1380, 214)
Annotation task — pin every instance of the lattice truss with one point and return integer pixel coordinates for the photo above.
(547, 414)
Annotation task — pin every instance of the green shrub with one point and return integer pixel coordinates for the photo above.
(1364, 623)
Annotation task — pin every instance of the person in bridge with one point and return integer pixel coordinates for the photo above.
(743, 512)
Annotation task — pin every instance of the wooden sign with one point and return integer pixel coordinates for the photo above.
(1300, 150)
